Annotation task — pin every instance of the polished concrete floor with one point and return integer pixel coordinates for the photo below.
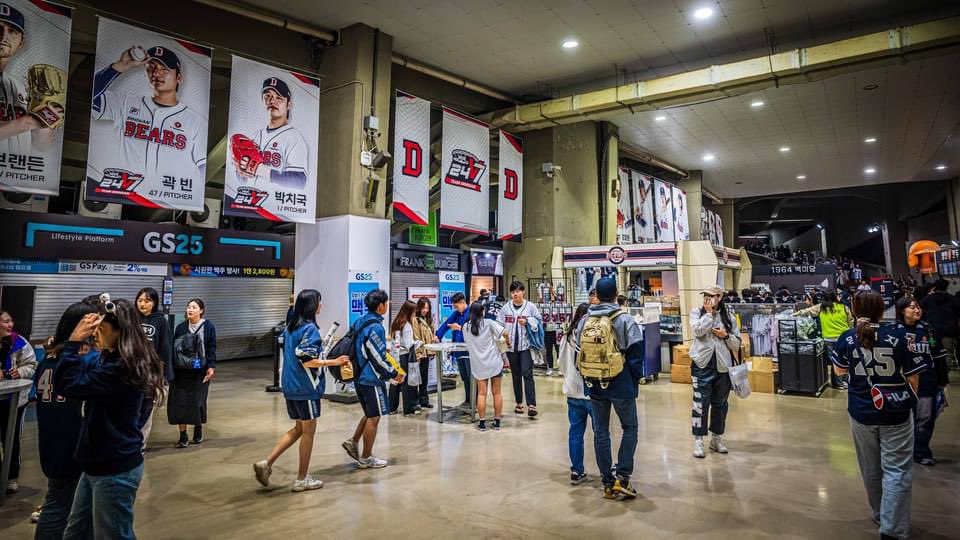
(791, 473)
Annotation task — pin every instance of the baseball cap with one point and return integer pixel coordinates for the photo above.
(11, 16)
(712, 290)
(165, 56)
(606, 288)
(277, 86)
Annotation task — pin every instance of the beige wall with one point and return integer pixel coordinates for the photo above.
(693, 187)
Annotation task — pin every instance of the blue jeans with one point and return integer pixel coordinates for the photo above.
(103, 506)
(56, 508)
(578, 410)
(885, 456)
(463, 366)
(626, 410)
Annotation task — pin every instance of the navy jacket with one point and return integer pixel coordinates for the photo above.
(209, 340)
(58, 425)
(110, 438)
(302, 345)
(158, 332)
(626, 385)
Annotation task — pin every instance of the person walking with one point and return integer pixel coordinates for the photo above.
(579, 408)
(486, 364)
(303, 382)
(620, 393)
(942, 311)
(716, 339)
(195, 344)
(404, 341)
(455, 322)
(884, 376)
(423, 331)
(19, 361)
(158, 333)
(520, 317)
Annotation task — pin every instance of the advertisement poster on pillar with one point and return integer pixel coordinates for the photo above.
(148, 119)
(663, 197)
(271, 169)
(431, 294)
(643, 222)
(34, 62)
(510, 209)
(624, 209)
(359, 283)
(411, 160)
(451, 283)
(681, 227)
(464, 203)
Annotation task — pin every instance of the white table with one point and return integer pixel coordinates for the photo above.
(10, 389)
(444, 349)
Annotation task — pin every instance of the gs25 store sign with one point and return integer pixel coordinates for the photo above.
(180, 244)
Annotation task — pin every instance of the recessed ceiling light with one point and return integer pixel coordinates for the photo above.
(871, 86)
(709, 157)
(869, 140)
(756, 103)
(570, 44)
(784, 148)
(703, 13)
(738, 183)
(869, 170)
(941, 167)
(801, 177)
(660, 118)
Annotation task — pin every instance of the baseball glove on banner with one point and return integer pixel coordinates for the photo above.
(246, 154)
(47, 86)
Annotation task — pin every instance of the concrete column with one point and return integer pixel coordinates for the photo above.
(693, 187)
(953, 207)
(612, 172)
(694, 277)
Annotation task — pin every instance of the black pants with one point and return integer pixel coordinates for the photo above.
(521, 371)
(550, 343)
(423, 394)
(14, 454)
(710, 392)
(409, 394)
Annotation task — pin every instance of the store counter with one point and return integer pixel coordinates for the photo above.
(444, 349)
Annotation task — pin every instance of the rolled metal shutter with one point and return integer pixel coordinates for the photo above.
(244, 310)
(399, 281)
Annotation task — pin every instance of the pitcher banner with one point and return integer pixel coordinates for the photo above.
(643, 222)
(465, 174)
(663, 197)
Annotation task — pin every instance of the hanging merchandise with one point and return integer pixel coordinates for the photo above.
(464, 203)
(664, 205)
(148, 129)
(718, 231)
(271, 169)
(680, 225)
(411, 159)
(643, 222)
(624, 209)
(510, 203)
(30, 158)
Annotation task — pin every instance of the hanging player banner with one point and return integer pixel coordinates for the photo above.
(34, 62)
(464, 203)
(624, 209)
(271, 170)
(643, 222)
(681, 227)
(718, 229)
(411, 159)
(705, 225)
(663, 196)
(712, 225)
(510, 203)
(148, 129)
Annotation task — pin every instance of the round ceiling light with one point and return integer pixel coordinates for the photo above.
(660, 118)
(870, 140)
(784, 149)
(570, 44)
(703, 13)
(941, 167)
(709, 157)
(757, 103)
(801, 177)
(869, 170)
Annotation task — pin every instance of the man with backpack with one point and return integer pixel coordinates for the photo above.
(374, 370)
(610, 359)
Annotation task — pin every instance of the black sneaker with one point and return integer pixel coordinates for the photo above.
(608, 493)
(624, 488)
(532, 411)
(427, 405)
(577, 478)
(197, 434)
(182, 443)
(496, 424)
(482, 425)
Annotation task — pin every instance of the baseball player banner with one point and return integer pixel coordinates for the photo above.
(643, 222)
(148, 129)
(34, 62)
(718, 228)
(681, 228)
(510, 203)
(411, 160)
(624, 209)
(464, 203)
(663, 196)
(272, 133)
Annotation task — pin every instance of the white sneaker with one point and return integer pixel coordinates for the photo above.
(549, 373)
(263, 470)
(307, 483)
(371, 463)
(35, 517)
(716, 445)
(698, 449)
(13, 486)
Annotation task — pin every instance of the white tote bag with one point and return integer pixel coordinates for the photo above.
(739, 380)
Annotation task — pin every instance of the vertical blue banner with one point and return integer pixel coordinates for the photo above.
(450, 284)
(359, 283)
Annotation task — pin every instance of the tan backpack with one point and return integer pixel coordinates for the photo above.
(600, 358)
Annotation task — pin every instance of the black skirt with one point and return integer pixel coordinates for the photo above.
(187, 403)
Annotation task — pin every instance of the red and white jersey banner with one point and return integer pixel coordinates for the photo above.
(681, 227)
(663, 197)
(624, 209)
(32, 114)
(643, 222)
(465, 174)
(271, 169)
(148, 129)
(411, 160)
(510, 203)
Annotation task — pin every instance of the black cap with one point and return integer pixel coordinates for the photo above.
(165, 56)
(11, 16)
(277, 85)
(606, 288)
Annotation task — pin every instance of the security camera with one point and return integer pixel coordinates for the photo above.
(550, 169)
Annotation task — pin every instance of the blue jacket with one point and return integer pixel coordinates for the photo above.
(372, 347)
(303, 345)
(626, 385)
(454, 318)
(110, 438)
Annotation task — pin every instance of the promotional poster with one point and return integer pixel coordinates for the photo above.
(34, 66)
(148, 119)
(510, 203)
(680, 224)
(271, 170)
(643, 222)
(359, 283)
(411, 159)
(464, 202)
(450, 283)
(663, 195)
(624, 209)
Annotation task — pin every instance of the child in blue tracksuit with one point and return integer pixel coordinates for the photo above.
(455, 322)
(375, 371)
(303, 384)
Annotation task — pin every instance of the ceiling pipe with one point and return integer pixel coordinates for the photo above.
(452, 79)
(266, 17)
(646, 157)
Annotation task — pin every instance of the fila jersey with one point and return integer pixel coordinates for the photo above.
(13, 105)
(284, 150)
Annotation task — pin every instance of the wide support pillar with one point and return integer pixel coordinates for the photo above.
(697, 267)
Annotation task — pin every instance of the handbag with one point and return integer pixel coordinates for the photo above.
(892, 397)
(413, 374)
(500, 341)
(189, 353)
(739, 380)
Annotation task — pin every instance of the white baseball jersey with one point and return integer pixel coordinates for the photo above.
(156, 138)
(283, 149)
(13, 105)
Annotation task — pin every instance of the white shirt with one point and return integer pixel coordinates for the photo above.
(509, 317)
(572, 380)
(13, 105)
(485, 359)
(283, 150)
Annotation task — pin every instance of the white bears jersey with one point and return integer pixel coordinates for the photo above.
(13, 105)
(283, 149)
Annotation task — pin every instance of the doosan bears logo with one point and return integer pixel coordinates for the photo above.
(119, 181)
(249, 198)
(465, 170)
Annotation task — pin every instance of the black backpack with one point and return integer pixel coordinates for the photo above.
(188, 353)
(347, 346)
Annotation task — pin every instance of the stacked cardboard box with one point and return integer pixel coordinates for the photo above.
(744, 345)
(680, 370)
(762, 374)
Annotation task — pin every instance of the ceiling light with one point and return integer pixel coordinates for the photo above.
(869, 140)
(756, 103)
(819, 226)
(869, 170)
(709, 157)
(941, 167)
(660, 118)
(570, 44)
(784, 148)
(738, 183)
(801, 177)
(703, 13)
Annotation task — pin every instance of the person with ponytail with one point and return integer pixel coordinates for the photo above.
(114, 381)
(486, 363)
(884, 370)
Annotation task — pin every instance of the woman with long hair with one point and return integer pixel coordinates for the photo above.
(579, 408)
(303, 382)
(403, 339)
(835, 318)
(158, 332)
(884, 375)
(19, 361)
(486, 363)
(716, 339)
(194, 339)
(424, 331)
(113, 382)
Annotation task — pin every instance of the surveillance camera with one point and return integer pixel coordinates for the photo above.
(557, 168)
